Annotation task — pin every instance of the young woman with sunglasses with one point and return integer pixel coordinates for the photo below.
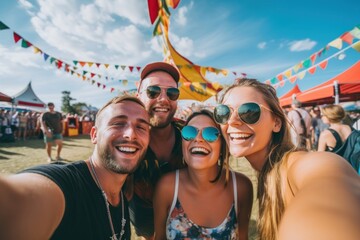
(302, 195)
(204, 200)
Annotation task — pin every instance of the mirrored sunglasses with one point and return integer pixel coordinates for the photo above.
(209, 134)
(154, 91)
(249, 113)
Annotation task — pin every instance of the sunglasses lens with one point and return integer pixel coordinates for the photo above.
(249, 113)
(222, 114)
(153, 91)
(189, 133)
(210, 134)
(173, 93)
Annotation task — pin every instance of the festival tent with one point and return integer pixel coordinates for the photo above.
(5, 98)
(287, 98)
(341, 88)
(28, 98)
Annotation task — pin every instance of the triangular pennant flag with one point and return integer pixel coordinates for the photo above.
(323, 64)
(301, 75)
(312, 58)
(59, 64)
(25, 44)
(92, 75)
(75, 62)
(83, 78)
(312, 70)
(123, 67)
(3, 26)
(306, 63)
(267, 82)
(356, 46)
(131, 68)
(104, 86)
(279, 77)
(224, 72)
(282, 83)
(216, 85)
(37, 50)
(273, 80)
(82, 63)
(347, 37)
(46, 56)
(138, 68)
(106, 65)
(92, 82)
(84, 73)
(292, 79)
(288, 73)
(234, 73)
(112, 89)
(125, 82)
(17, 37)
(98, 84)
(116, 67)
(97, 64)
(90, 64)
(297, 67)
(355, 32)
(52, 59)
(337, 43)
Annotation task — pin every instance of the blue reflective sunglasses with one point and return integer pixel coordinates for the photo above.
(209, 134)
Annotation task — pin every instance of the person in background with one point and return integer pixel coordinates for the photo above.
(203, 200)
(84, 199)
(317, 126)
(333, 138)
(52, 127)
(301, 194)
(301, 121)
(22, 126)
(158, 91)
(15, 123)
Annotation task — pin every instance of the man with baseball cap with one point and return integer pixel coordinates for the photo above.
(158, 90)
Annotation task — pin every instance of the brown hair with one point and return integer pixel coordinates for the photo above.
(269, 193)
(119, 99)
(224, 150)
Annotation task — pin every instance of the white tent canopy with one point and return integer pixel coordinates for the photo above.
(27, 98)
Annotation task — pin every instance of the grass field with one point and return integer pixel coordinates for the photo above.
(17, 156)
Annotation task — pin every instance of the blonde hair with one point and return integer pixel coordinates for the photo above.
(335, 113)
(269, 192)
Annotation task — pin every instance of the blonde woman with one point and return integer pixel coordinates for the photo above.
(302, 195)
(333, 138)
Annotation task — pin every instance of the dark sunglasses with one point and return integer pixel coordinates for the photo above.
(209, 134)
(249, 113)
(154, 91)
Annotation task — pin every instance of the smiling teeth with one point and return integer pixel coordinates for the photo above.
(161, 109)
(127, 149)
(239, 135)
(198, 149)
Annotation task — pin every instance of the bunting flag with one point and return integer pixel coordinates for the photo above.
(3, 26)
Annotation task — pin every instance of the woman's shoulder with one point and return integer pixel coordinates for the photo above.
(310, 165)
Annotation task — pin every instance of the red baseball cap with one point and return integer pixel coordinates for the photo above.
(160, 66)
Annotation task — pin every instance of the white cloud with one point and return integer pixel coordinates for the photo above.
(180, 17)
(25, 4)
(262, 45)
(302, 45)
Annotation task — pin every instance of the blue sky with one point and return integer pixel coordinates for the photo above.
(261, 38)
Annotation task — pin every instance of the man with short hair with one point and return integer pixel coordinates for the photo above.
(84, 199)
(158, 89)
(52, 127)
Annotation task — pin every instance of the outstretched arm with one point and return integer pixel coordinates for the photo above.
(31, 206)
(326, 204)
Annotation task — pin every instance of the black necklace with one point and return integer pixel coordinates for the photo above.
(123, 220)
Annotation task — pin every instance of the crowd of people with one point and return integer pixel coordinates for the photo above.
(172, 180)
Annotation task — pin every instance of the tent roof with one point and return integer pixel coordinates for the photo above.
(5, 98)
(349, 89)
(27, 97)
(294, 90)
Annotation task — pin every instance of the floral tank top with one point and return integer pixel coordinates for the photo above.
(179, 226)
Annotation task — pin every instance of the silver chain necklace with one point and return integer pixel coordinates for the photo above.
(123, 220)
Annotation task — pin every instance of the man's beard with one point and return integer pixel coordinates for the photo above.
(111, 164)
(157, 122)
